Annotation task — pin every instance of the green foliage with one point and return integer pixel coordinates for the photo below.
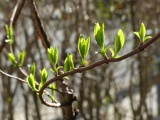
(142, 34)
(31, 82)
(83, 48)
(118, 42)
(32, 69)
(43, 76)
(12, 59)
(99, 37)
(68, 63)
(53, 58)
(53, 55)
(9, 31)
(21, 56)
(99, 34)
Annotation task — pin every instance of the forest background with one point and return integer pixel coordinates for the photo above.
(127, 90)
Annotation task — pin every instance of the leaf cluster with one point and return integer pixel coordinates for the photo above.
(83, 49)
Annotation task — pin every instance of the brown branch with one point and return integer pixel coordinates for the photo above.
(16, 12)
(104, 61)
(41, 34)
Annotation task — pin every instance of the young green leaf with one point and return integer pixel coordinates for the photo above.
(147, 37)
(119, 41)
(83, 47)
(71, 62)
(44, 76)
(142, 32)
(68, 63)
(9, 31)
(21, 56)
(31, 82)
(12, 58)
(53, 57)
(112, 52)
(32, 69)
(87, 46)
(99, 35)
(137, 34)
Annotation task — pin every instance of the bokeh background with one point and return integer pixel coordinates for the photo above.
(127, 90)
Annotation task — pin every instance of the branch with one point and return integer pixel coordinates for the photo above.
(17, 78)
(41, 34)
(103, 61)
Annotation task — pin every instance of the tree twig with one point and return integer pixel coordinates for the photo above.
(103, 61)
(41, 34)
(11, 76)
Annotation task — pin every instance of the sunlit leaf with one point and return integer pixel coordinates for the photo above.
(137, 34)
(147, 37)
(9, 31)
(12, 58)
(68, 63)
(21, 56)
(43, 76)
(87, 46)
(31, 82)
(142, 32)
(99, 35)
(112, 52)
(83, 47)
(53, 55)
(119, 41)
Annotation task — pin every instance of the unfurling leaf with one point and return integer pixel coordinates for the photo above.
(119, 42)
(12, 58)
(53, 57)
(83, 47)
(68, 63)
(9, 31)
(137, 34)
(21, 56)
(111, 51)
(147, 37)
(142, 34)
(31, 82)
(44, 76)
(99, 35)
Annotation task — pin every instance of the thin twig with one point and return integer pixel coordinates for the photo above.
(104, 61)
(11, 76)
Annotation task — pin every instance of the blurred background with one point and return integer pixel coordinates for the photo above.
(127, 90)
